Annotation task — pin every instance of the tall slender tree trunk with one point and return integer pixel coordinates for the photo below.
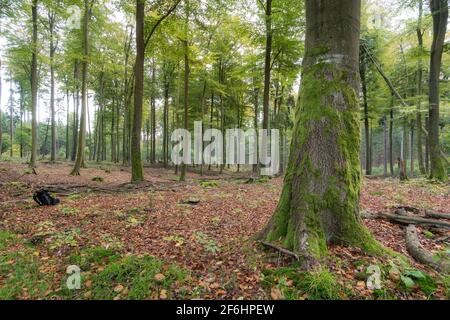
(439, 11)
(166, 119)
(51, 20)
(79, 161)
(411, 149)
(186, 84)
(153, 114)
(113, 127)
(177, 105)
(267, 64)
(137, 171)
(76, 102)
(1, 121)
(419, 90)
(391, 139)
(267, 71)
(34, 84)
(366, 121)
(255, 124)
(319, 204)
(67, 124)
(11, 117)
(21, 118)
(385, 157)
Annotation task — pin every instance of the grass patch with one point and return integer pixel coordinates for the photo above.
(209, 184)
(295, 284)
(132, 277)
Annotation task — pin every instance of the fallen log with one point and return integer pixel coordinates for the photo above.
(405, 220)
(437, 215)
(408, 208)
(416, 250)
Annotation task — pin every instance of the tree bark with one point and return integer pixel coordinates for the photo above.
(391, 138)
(137, 172)
(153, 115)
(79, 161)
(319, 204)
(67, 123)
(51, 21)
(186, 85)
(34, 85)
(76, 102)
(1, 121)
(385, 149)
(267, 63)
(366, 120)
(11, 116)
(439, 11)
(419, 90)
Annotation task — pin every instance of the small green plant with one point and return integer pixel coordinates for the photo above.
(64, 239)
(111, 242)
(411, 278)
(74, 196)
(428, 234)
(69, 211)
(216, 221)
(97, 179)
(133, 222)
(179, 240)
(208, 244)
(209, 184)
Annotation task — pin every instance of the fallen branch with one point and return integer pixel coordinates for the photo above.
(437, 215)
(126, 187)
(408, 208)
(282, 250)
(416, 250)
(400, 219)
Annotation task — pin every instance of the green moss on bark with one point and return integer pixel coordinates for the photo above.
(320, 201)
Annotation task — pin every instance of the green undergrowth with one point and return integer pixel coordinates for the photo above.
(294, 284)
(111, 276)
(105, 274)
(19, 271)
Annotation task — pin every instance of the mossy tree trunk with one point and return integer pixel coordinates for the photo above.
(319, 203)
(137, 172)
(439, 10)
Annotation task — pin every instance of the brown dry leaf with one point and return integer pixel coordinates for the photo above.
(361, 284)
(214, 285)
(118, 288)
(163, 294)
(159, 277)
(276, 294)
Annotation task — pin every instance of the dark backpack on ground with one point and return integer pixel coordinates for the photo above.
(43, 198)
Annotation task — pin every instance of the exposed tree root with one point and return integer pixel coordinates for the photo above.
(282, 250)
(416, 250)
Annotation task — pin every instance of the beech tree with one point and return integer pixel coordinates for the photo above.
(319, 204)
(439, 11)
(79, 161)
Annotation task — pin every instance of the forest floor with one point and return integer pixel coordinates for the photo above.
(170, 240)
